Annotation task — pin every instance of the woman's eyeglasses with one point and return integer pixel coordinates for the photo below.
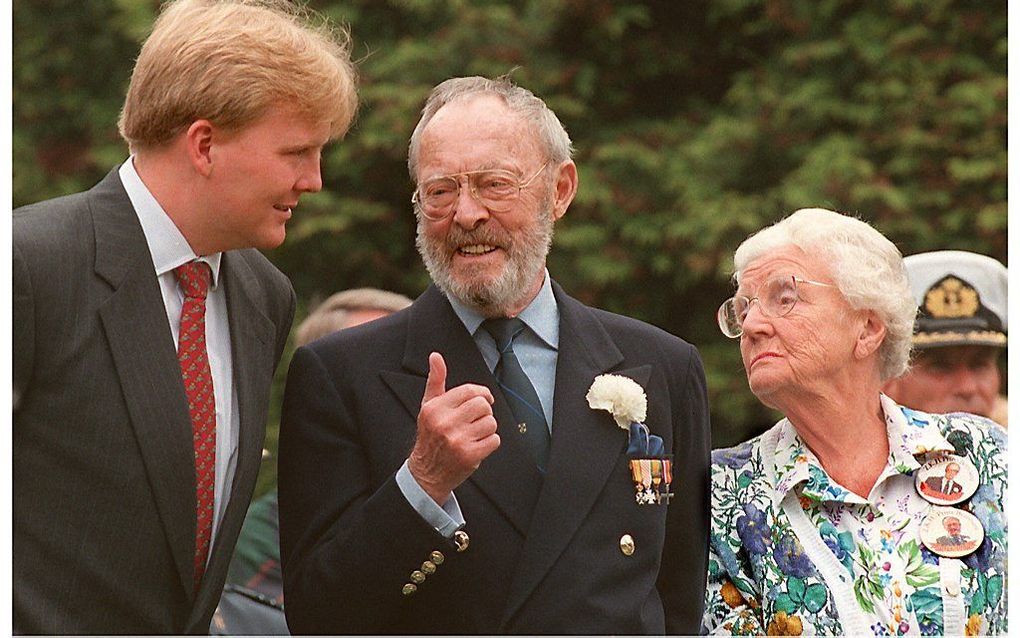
(776, 298)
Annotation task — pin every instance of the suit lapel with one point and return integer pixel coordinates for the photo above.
(508, 476)
(134, 319)
(252, 349)
(586, 445)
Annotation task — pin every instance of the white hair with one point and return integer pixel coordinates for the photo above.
(867, 268)
(550, 133)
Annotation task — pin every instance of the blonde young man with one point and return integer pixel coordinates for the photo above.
(147, 329)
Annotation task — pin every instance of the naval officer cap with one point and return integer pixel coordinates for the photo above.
(961, 298)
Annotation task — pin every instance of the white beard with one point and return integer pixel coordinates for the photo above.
(526, 253)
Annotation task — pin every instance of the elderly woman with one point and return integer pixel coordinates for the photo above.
(821, 525)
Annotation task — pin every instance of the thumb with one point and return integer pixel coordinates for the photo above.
(435, 385)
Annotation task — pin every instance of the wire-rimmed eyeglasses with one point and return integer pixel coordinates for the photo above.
(776, 298)
(497, 189)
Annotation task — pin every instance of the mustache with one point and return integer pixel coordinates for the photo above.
(457, 237)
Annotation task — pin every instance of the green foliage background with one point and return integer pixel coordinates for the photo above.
(695, 123)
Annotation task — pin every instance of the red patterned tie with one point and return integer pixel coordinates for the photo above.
(194, 279)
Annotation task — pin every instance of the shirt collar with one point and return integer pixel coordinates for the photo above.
(541, 315)
(910, 433)
(168, 247)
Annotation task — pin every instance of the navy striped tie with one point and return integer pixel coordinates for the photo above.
(517, 388)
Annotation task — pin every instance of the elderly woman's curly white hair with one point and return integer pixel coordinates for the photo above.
(867, 268)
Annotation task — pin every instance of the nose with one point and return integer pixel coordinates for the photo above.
(469, 212)
(964, 381)
(755, 321)
(310, 180)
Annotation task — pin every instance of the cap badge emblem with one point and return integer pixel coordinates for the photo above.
(951, 298)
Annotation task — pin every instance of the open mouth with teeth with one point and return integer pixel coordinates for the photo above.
(477, 249)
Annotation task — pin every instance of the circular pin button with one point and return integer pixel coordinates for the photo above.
(428, 567)
(627, 544)
(951, 532)
(462, 540)
(417, 577)
(437, 557)
(946, 479)
(409, 589)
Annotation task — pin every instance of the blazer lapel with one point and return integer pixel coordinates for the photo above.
(508, 476)
(252, 349)
(142, 347)
(586, 445)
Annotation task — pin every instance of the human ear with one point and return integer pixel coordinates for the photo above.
(871, 335)
(198, 141)
(566, 188)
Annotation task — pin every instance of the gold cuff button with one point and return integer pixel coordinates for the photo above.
(417, 577)
(627, 544)
(437, 557)
(428, 567)
(409, 589)
(462, 540)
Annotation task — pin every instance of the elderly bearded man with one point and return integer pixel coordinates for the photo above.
(432, 481)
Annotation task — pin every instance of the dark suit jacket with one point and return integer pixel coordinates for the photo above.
(104, 480)
(934, 483)
(544, 555)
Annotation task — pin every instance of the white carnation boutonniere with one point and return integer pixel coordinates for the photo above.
(620, 396)
(651, 468)
(625, 399)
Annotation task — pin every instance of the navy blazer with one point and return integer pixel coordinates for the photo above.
(104, 478)
(545, 552)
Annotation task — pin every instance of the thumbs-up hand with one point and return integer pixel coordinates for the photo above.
(456, 432)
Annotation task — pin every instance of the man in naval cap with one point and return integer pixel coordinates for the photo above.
(959, 334)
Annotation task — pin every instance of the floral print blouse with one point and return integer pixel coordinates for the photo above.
(794, 553)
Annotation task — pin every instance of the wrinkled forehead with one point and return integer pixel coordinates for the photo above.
(785, 261)
(476, 132)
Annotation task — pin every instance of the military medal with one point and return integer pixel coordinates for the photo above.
(652, 480)
(951, 532)
(946, 479)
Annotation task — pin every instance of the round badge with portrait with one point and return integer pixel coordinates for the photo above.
(951, 532)
(946, 479)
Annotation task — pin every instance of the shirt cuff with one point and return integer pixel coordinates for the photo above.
(446, 519)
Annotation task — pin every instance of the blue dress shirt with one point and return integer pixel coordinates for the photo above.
(537, 350)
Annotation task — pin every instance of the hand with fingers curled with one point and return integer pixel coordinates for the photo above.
(456, 432)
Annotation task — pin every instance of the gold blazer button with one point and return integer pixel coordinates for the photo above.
(437, 557)
(627, 544)
(462, 540)
(409, 589)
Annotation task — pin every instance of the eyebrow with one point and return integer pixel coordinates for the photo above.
(489, 166)
(303, 146)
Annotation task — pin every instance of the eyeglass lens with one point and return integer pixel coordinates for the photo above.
(496, 189)
(776, 298)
